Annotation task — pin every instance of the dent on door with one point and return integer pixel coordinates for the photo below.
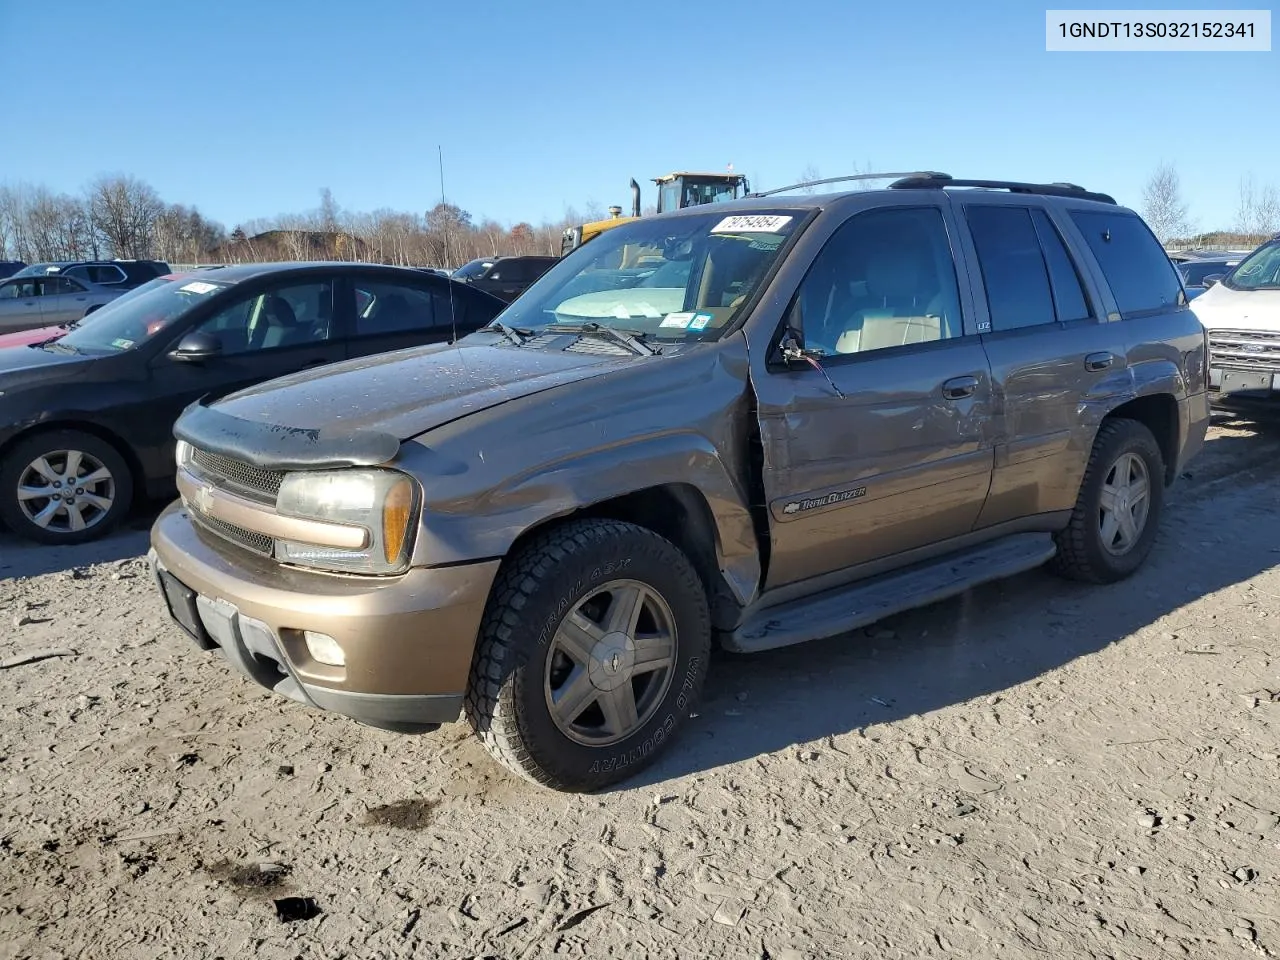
(902, 460)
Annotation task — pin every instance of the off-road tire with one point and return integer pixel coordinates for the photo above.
(534, 591)
(18, 457)
(1081, 555)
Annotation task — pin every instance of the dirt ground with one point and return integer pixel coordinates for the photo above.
(1037, 769)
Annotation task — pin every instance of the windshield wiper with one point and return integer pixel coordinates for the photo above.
(633, 340)
(514, 334)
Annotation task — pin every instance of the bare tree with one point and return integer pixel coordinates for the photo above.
(1163, 206)
(862, 169)
(124, 211)
(1258, 215)
(807, 175)
(182, 235)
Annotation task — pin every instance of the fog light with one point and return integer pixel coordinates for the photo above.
(324, 649)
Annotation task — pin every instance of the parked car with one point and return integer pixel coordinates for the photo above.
(54, 331)
(107, 273)
(505, 277)
(1201, 273)
(9, 267)
(1242, 315)
(839, 407)
(46, 301)
(86, 415)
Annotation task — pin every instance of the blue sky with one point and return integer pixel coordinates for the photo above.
(248, 109)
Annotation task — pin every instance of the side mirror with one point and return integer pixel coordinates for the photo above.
(1211, 279)
(195, 347)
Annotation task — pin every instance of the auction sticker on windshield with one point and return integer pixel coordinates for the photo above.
(760, 223)
(199, 286)
(681, 320)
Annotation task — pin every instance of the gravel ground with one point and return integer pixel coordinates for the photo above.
(1034, 769)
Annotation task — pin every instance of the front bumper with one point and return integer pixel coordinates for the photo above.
(407, 641)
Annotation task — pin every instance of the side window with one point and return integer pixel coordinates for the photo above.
(106, 273)
(11, 291)
(391, 308)
(885, 279)
(1068, 292)
(1013, 268)
(1137, 269)
(79, 272)
(502, 270)
(52, 286)
(284, 316)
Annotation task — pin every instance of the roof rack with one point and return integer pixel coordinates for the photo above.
(939, 181)
(924, 174)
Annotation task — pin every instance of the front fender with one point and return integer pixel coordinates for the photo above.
(492, 522)
(684, 420)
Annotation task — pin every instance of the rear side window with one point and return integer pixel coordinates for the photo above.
(1068, 292)
(392, 308)
(1013, 267)
(1137, 269)
(97, 273)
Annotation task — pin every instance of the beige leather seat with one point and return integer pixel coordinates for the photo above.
(897, 280)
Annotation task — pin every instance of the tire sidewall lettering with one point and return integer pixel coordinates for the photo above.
(660, 733)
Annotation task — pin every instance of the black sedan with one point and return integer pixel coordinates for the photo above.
(86, 416)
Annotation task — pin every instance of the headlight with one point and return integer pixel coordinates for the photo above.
(183, 453)
(383, 502)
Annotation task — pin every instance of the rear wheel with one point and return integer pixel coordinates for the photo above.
(64, 486)
(591, 656)
(1117, 512)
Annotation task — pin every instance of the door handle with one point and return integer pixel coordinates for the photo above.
(957, 388)
(1098, 361)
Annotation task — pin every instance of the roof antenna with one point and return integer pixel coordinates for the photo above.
(453, 311)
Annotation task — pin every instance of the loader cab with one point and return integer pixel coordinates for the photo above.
(679, 190)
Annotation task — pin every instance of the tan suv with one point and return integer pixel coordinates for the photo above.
(774, 420)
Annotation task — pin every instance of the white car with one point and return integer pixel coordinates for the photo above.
(1242, 314)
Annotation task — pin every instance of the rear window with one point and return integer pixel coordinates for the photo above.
(1136, 268)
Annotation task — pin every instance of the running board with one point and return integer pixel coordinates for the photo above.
(864, 602)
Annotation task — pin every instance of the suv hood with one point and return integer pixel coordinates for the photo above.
(359, 411)
(1220, 308)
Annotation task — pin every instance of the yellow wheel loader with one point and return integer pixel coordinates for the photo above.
(675, 191)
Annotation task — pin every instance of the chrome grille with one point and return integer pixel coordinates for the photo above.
(257, 542)
(1245, 350)
(257, 482)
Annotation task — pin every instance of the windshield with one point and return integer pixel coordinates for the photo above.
(40, 269)
(1259, 271)
(139, 315)
(473, 269)
(1193, 274)
(674, 278)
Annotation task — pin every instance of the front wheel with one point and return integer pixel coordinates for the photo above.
(591, 655)
(64, 487)
(1117, 512)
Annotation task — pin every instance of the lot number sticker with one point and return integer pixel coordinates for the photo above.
(762, 223)
(199, 286)
(680, 320)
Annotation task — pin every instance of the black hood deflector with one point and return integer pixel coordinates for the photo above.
(282, 448)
